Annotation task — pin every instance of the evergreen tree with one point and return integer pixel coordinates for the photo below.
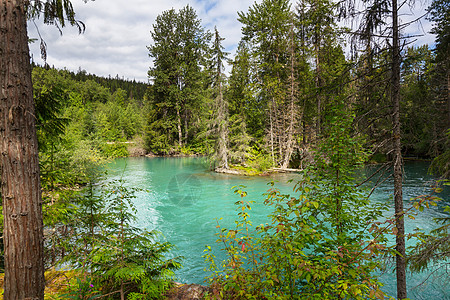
(21, 187)
(440, 14)
(266, 29)
(221, 105)
(317, 21)
(374, 21)
(246, 119)
(180, 45)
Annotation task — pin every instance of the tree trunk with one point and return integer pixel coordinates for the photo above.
(398, 163)
(272, 153)
(319, 98)
(292, 106)
(180, 133)
(21, 187)
(317, 35)
(223, 129)
(186, 128)
(448, 97)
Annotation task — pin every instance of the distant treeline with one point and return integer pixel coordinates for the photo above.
(134, 89)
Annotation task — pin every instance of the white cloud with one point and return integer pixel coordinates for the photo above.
(118, 33)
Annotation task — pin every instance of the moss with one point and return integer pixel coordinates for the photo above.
(248, 171)
(56, 283)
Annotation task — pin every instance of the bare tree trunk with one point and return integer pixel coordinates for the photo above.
(398, 161)
(271, 136)
(318, 77)
(186, 127)
(292, 114)
(180, 133)
(448, 97)
(20, 187)
(319, 97)
(223, 129)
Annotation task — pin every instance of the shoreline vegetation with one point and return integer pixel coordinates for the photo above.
(292, 101)
(135, 151)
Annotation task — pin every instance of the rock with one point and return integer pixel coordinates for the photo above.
(136, 151)
(228, 171)
(182, 291)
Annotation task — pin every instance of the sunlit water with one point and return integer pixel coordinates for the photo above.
(183, 200)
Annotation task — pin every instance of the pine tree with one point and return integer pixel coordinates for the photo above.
(179, 47)
(221, 105)
(245, 118)
(21, 187)
(266, 29)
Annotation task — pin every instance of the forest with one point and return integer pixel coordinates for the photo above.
(303, 92)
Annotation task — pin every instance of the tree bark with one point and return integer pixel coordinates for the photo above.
(317, 35)
(448, 98)
(398, 161)
(180, 133)
(223, 128)
(292, 107)
(21, 187)
(272, 153)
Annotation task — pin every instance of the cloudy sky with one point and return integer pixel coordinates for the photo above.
(118, 33)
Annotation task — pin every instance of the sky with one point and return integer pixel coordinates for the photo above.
(118, 32)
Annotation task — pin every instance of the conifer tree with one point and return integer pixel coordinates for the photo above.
(21, 188)
(376, 13)
(245, 118)
(218, 56)
(266, 28)
(318, 22)
(179, 48)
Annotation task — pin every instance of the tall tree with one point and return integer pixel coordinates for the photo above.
(317, 20)
(292, 118)
(375, 16)
(245, 116)
(218, 56)
(266, 28)
(178, 50)
(440, 14)
(21, 188)
(398, 160)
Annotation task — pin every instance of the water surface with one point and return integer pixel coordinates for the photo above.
(184, 199)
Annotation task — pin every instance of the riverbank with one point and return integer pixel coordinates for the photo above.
(246, 171)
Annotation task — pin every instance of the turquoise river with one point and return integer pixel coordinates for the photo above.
(183, 199)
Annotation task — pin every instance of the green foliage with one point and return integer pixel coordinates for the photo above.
(293, 256)
(115, 149)
(259, 159)
(106, 247)
(80, 125)
(440, 15)
(82, 290)
(316, 244)
(422, 126)
(179, 51)
(432, 252)
(243, 107)
(441, 164)
(134, 90)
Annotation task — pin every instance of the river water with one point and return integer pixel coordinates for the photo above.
(183, 200)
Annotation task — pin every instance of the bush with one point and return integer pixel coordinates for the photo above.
(316, 244)
(258, 159)
(104, 246)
